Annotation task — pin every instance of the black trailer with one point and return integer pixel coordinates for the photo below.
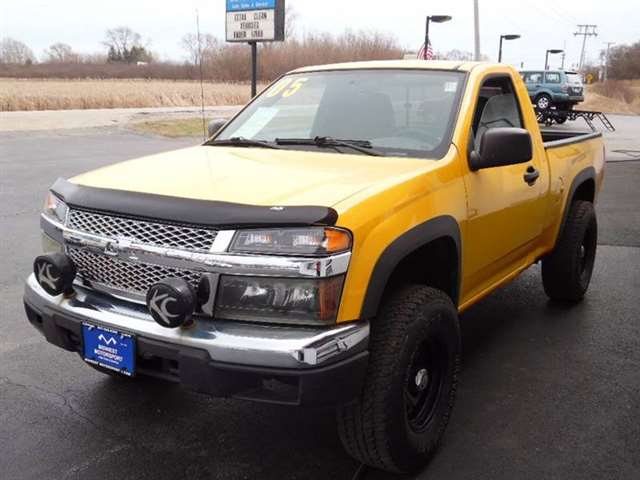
(552, 116)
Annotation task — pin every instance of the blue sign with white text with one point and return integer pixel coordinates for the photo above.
(242, 5)
(109, 349)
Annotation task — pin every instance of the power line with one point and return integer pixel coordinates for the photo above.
(586, 30)
(564, 13)
(551, 14)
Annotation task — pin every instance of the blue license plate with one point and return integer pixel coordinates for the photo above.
(109, 349)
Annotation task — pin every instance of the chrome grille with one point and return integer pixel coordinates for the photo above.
(135, 278)
(142, 231)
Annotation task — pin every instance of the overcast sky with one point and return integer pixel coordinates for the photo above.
(543, 24)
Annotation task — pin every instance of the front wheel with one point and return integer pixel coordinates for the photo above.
(397, 422)
(567, 270)
(543, 102)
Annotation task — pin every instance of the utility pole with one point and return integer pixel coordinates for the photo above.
(476, 19)
(606, 61)
(586, 30)
(564, 54)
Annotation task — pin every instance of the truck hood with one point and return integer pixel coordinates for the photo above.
(253, 176)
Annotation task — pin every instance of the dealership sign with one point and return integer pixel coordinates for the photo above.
(255, 20)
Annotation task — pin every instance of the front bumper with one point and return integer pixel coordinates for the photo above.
(275, 364)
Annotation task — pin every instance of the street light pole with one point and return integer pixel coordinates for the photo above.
(546, 58)
(476, 31)
(435, 19)
(505, 37)
(546, 61)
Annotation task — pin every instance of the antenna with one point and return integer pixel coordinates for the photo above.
(204, 127)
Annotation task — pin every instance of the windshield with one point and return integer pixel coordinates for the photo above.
(400, 112)
(574, 78)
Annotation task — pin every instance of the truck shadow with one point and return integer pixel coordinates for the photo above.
(174, 433)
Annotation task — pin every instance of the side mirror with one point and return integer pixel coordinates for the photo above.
(500, 147)
(215, 126)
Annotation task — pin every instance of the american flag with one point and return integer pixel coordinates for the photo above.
(426, 55)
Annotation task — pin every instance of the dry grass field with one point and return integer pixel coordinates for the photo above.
(31, 94)
(614, 96)
(36, 94)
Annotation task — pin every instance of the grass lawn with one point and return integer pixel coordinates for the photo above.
(186, 127)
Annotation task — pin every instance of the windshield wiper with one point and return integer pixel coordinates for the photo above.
(242, 142)
(362, 146)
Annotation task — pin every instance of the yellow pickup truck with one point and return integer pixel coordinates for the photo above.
(319, 247)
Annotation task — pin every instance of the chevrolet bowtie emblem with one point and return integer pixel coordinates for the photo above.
(112, 249)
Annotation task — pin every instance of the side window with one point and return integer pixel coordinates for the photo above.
(497, 107)
(552, 77)
(533, 77)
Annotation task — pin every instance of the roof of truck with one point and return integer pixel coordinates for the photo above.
(395, 64)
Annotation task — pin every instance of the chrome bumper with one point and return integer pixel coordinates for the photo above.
(225, 341)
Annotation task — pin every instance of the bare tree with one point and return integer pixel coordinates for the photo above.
(61, 53)
(122, 39)
(125, 45)
(624, 62)
(14, 51)
(209, 44)
(189, 43)
(290, 19)
(458, 55)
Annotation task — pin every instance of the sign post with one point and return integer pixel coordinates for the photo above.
(254, 21)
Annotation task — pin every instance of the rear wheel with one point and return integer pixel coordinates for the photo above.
(398, 421)
(567, 270)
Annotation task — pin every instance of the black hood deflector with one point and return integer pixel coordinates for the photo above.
(190, 211)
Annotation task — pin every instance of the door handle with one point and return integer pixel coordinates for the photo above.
(531, 176)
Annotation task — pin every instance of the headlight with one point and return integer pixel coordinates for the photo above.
(279, 300)
(292, 241)
(55, 209)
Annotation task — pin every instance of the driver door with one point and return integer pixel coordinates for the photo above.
(504, 212)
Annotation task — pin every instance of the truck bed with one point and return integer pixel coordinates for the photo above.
(556, 138)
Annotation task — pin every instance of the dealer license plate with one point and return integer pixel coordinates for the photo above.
(109, 349)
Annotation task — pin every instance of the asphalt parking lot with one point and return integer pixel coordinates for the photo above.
(546, 391)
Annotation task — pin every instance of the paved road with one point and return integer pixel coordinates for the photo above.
(546, 392)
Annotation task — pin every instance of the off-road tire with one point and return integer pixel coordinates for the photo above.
(567, 270)
(543, 99)
(376, 428)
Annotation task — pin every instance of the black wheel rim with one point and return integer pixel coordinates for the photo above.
(424, 383)
(587, 255)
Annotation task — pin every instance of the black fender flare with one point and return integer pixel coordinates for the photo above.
(583, 176)
(439, 227)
